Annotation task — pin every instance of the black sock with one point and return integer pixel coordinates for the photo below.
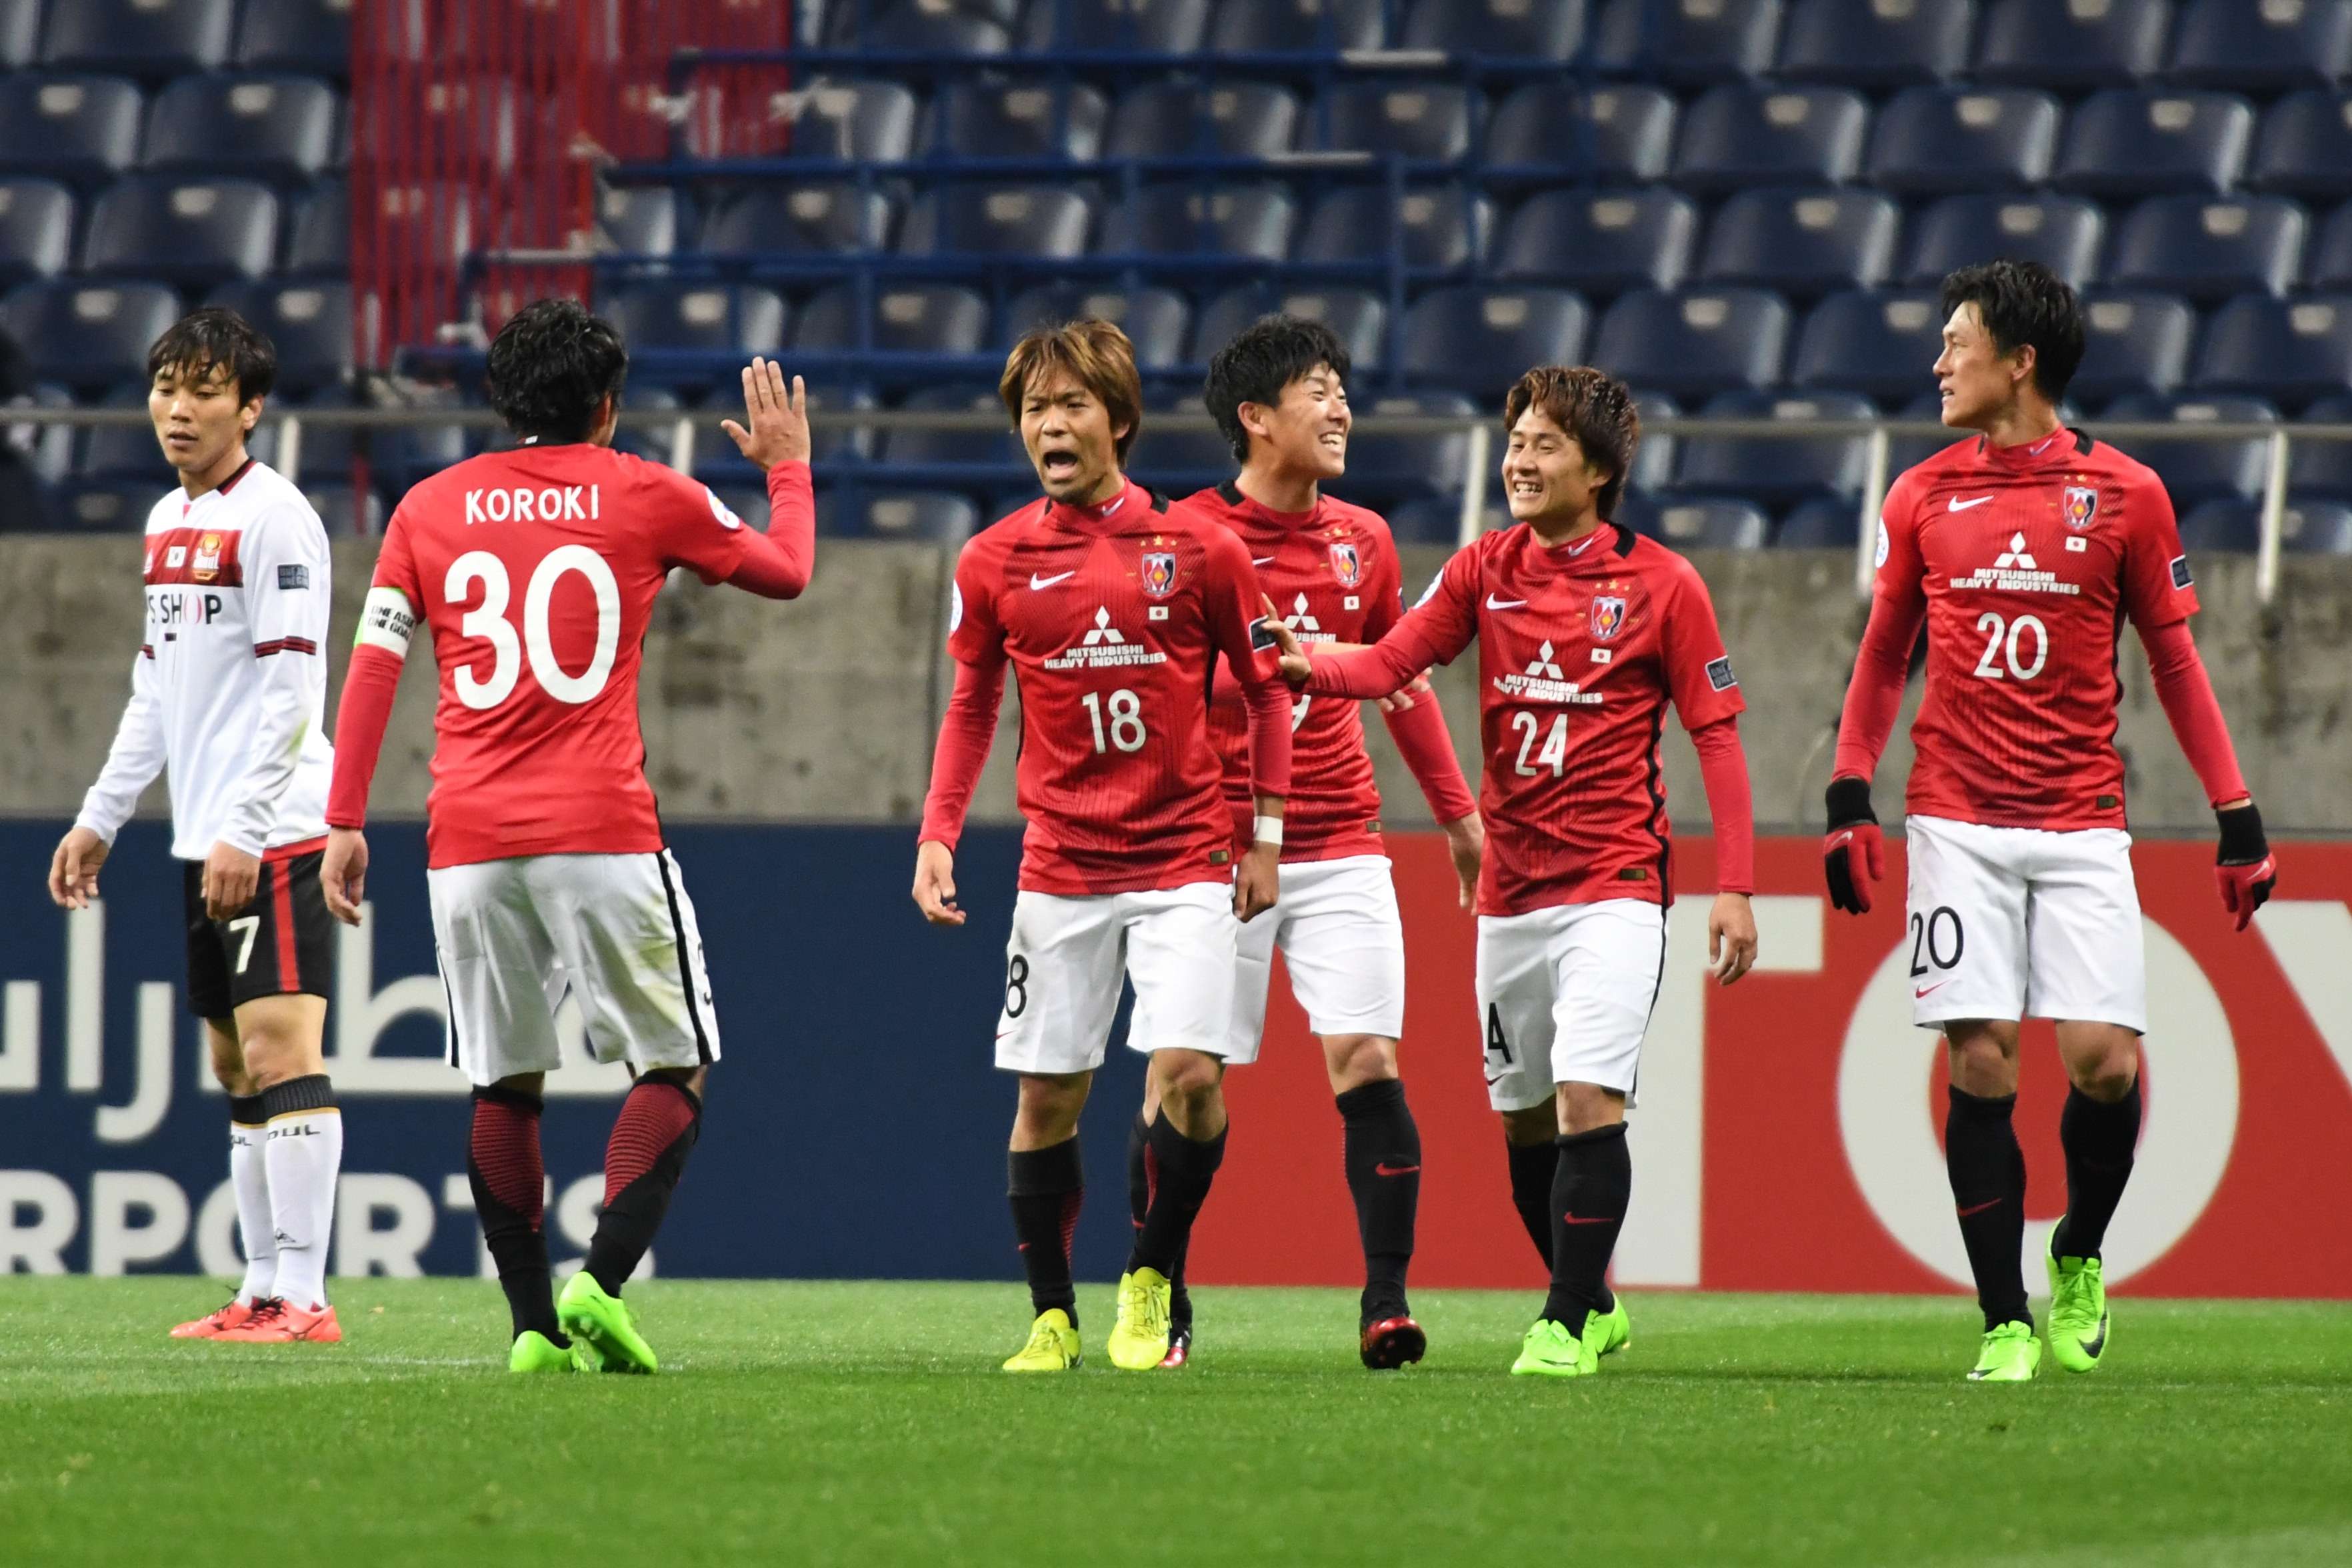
(656, 1129)
(1139, 1204)
(508, 1177)
(1047, 1186)
(1181, 1170)
(1384, 1157)
(1591, 1182)
(2100, 1137)
(1987, 1172)
(1533, 1165)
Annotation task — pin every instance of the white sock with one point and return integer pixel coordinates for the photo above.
(304, 1150)
(248, 1174)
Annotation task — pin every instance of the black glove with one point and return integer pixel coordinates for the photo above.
(2245, 868)
(1853, 829)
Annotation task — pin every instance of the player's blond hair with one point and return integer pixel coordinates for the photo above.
(1091, 352)
(1591, 405)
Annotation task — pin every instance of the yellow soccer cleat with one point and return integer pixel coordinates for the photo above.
(1053, 1346)
(1139, 1341)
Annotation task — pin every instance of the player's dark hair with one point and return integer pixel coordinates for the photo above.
(1591, 405)
(215, 338)
(1091, 352)
(551, 366)
(2023, 302)
(1262, 361)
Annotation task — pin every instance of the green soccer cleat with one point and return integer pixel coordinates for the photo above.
(534, 1352)
(1550, 1351)
(1606, 1333)
(1139, 1341)
(2011, 1354)
(602, 1323)
(1053, 1346)
(2078, 1310)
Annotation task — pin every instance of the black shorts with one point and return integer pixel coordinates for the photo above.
(280, 943)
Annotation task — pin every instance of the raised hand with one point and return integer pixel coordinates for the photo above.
(778, 419)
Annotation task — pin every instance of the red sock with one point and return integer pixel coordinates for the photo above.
(656, 1129)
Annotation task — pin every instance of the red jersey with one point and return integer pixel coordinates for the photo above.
(536, 570)
(1581, 648)
(1333, 573)
(2025, 561)
(1111, 617)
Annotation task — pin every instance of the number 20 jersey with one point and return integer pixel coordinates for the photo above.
(536, 570)
(2029, 557)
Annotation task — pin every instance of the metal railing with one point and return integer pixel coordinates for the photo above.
(688, 432)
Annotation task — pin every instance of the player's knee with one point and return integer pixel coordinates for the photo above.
(1535, 1125)
(1585, 1106)
(229, 1070)
(1047, 1110)
(1189, 1081)
(690, 1079)
(1355, 1060)
(2105, 1066)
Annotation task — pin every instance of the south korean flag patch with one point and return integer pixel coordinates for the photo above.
(2181, 577)
(1718, 674)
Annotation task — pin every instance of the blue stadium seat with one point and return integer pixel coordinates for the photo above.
(654, 318)
(2209, 249)
(20, 33)
(1357, 317)
(191, 232)
(310, 323)
(1696, 343)
(1181, 119)
(1910, 451)
(1510, 29)
(37, 222)
(2328, 266)
(153, 40)
(1157, 320)
(1654, 458)
(2223, 528)
(1734, 137)
(865, 119)
(1803, 243)
(1417, 120)
(1688, 41)
(87, 336)
(2124, 143)
(939, 26)
(1876, 44)
(1933, 141)
(1384, 470)
(2291, 350)
(799, 220)
(127, 451)
(1435, 520)
(907, 319)
(278, 128)
(2075, 46)
(103, 506)
(83, 130)
(309, 35)
(318, 239)
(2323, 469)
(1614, 133)
(2133, 344)
(1156, 26)
(1019, 119)
(999, 446)
(1777, 473)
(2305, 527)
(1884, 345)
(1319, 26)
(2195, 472)
(1434, 226)
(1481, 339)
(1173, 462)
(2270, 48)
(825, 395)
(2316, 527)
(1714, 524)
(1600, 242)
(2305, 147)
(935, 516)
(1184, 220)
(640, 220)
(1820, 524)
(343, 514)
(471, 122)
(997, 220)
(2062, 233)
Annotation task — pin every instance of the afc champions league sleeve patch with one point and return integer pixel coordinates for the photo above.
(1884, 545)
(386, 621)
(955, 608)
(1718, 674)
(1429, 593)
(290, 578)
(718, 510)
(2181, 577)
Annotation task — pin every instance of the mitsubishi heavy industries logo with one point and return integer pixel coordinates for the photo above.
(1544, 681)
(2014, 571)
(1302, 621)
(1105, 647)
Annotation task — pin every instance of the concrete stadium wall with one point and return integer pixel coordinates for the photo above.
(824, 710)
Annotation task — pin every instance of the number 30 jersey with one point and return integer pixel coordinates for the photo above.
(2025, 560)
(536, 571)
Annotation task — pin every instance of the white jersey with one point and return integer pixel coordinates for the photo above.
(229, 691)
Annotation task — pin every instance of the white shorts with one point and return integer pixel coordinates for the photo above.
(1343, 940)
(1565, 996)
(2017, 923)
(616, 933)
(1066, 958)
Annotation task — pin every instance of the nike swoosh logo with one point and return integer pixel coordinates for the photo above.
(1496, 1078)
(1979, 1208)
(2093, 1347)
(1922, 990)
(1597, 1219)
(1494, 604)
(1037, 582)
(1385, 1169)
(1957, 504)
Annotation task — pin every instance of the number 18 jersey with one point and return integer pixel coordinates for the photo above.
(536, 570)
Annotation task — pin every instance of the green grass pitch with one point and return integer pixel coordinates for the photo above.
(860, 1422)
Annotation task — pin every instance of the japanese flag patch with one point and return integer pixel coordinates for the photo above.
(1718, 674)
(2181, 577)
